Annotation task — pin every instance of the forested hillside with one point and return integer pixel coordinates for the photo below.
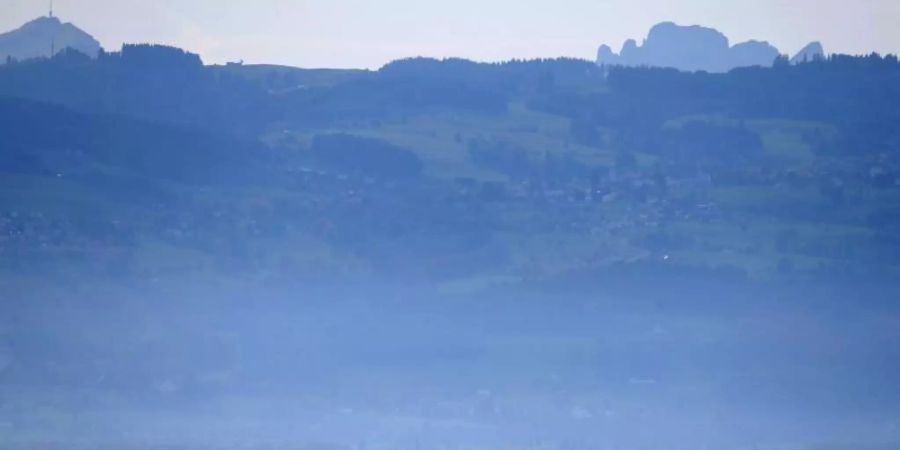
(452, 170)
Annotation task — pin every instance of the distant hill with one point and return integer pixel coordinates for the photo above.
(690, 48)
(43, 35)
(149, 82)
(450, 170)
(282, 79)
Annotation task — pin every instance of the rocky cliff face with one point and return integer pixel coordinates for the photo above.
(43, 35)
(689, 48)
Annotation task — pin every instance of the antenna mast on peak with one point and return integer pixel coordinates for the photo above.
(51, 9)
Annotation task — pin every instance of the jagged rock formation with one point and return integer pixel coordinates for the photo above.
(44, 35)
(812, 52)
(689, 48)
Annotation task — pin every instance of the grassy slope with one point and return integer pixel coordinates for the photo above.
(751, 245)
(607, 233)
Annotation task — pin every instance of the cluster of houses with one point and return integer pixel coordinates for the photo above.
(616, 204)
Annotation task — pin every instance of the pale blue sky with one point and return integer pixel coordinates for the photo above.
(368, 33)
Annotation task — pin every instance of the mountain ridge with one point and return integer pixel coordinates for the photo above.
(696, 48)
(43, 37)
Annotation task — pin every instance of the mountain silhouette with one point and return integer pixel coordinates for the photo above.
(689, 48)
(812, 52)
(44, 35)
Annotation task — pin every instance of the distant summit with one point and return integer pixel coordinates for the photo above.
(43, 36)
(812, 52)
(689, 48)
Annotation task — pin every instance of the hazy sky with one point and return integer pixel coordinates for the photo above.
(368, 33)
